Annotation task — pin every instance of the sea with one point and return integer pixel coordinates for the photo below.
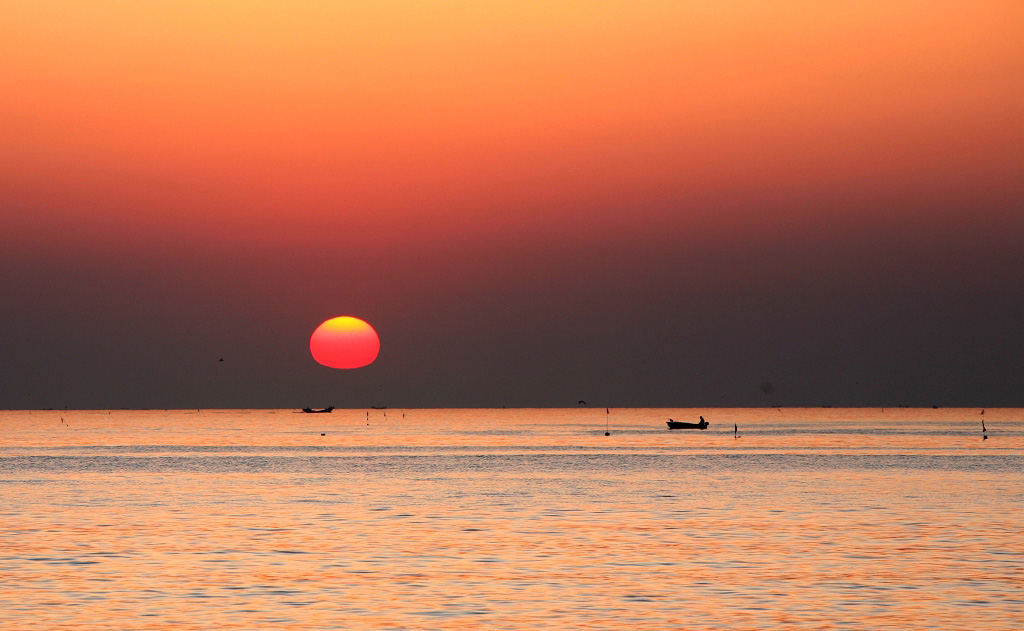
(578, 518)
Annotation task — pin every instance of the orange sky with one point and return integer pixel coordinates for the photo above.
(740, 180)
(282, 120)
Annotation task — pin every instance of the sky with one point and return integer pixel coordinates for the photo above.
(665, 203)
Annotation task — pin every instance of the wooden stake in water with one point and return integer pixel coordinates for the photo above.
(606, 413)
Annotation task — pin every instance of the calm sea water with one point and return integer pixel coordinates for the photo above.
(511, 519)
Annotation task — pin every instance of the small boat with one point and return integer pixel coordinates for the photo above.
(378, 407)
(312, 411)
(681, 425)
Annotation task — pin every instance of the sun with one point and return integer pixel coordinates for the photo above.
(344, 342)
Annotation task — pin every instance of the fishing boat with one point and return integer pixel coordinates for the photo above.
(321, 411)
(682, 425)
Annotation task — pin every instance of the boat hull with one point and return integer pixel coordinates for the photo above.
(681, 425)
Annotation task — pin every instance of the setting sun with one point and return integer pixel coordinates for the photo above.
(344, 342)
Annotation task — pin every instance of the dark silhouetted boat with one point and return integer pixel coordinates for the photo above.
(378, 407)
(312, 411)
(681, 425)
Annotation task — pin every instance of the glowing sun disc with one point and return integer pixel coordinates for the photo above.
(344, 342)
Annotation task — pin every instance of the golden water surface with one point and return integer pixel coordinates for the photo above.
(511, 519)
